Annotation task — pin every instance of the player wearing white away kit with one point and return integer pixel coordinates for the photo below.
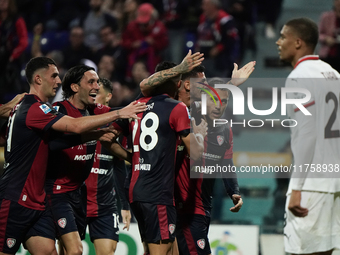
(313, 197)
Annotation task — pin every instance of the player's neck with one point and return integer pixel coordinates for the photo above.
(38, 93)
(77, 103)
(301, 54)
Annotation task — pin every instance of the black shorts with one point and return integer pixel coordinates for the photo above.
(15, 222)
(155, 222)
(105, 226)
(192, 234)
(69, 211)
(44, 226)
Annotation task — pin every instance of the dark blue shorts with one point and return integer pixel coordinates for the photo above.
(15, 222)
(69, 211)
(155, 222)
(44, 226)
(192, 234)
(105, 226)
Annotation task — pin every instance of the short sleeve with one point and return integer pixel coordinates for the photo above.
(229, 152)
(179, 119)
(42, 116)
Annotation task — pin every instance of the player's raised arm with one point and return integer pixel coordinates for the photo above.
(84, 124)
(188, 63)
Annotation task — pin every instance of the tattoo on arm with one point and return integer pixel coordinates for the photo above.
(164, 75)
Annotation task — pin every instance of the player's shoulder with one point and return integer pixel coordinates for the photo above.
(312, 69)
(61, 103)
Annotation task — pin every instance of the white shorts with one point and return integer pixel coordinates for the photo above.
(317, 232)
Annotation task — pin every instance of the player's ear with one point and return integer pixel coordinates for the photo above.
(75, 87)
(108, 97)
(178, 84)
(298, 43)
(37, 79)
(187, 85)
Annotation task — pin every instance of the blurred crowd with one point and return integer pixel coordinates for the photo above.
(125, 39)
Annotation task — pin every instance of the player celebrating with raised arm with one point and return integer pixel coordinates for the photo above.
(193, 196)
(154, 140)
(22, 191)
(312, 206)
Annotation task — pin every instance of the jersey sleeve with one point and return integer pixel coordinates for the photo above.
(229, 153)
(230, 183)
(180, 119)
(122, 125)
(42, 116)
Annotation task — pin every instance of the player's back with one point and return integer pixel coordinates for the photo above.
(154, 146)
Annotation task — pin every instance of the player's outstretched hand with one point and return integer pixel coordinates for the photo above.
(131, 110)
(238, 202)
(189, 62)
(239, 76)
(16, 99)
(295, 204)
(108, 134)
(202, 128)
(126, 215)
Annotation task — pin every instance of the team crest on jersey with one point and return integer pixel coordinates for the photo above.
(62, 222)
(172, 228)
(11, 242)
(45, 108)
(201, 243)
(220, 139)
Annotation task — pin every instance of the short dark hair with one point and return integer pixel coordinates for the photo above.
(193, 73)
(107, 84)
(35, 64)
(73, 75)
(169, 86)
(306, 29)
(216, 80)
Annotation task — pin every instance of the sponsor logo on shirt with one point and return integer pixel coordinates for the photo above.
(56, 107)
(62, 222)
(99, 170)
(93, 142)
(210, 156)
(10, 242)
(150, 106)
(201, 243)
(105, 157)
(143, 167)
(83, 157)
(45, 108)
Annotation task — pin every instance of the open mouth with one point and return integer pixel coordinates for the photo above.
(93, 95)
